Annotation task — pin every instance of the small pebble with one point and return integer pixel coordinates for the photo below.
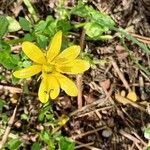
(107, 133)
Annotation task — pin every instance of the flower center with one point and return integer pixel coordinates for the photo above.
(48, 68)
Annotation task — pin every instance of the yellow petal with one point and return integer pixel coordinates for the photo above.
(132, 96)
(68, 54)
(28, 72)
(67, 85)
(74, 67)
(54, 46)
(43, 92)
(63, 120)
(33, 52)
(54, 87)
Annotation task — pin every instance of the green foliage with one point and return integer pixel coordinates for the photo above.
(66, 144)
(35, 146)
(147, 133)
(24, 117)
(3, 26)
(44, 136)
(46, 113)
(40, 26)
(96, 25)
(148, 148)
(25, 24)
(2, 103)
(13, 144)
(93, 29)
(97, 22)
(147, 136)
(42, 40)
(56, 140)
(8, 60)
(13, 24)
(80, 10)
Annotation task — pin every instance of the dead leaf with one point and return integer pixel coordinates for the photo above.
(121, 99)
(105, 84)
(132, 96)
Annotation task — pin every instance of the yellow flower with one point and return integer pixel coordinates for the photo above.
(52, 65)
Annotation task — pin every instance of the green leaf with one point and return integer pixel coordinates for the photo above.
(51, 145)
(147, 133)
(24, 116)
(13, 24)
(46, 109)
(148, 148)
(88, 12)
(2, 77)
(52, 28)
(98, 22)
(8, 60)
(63, 13)
(93, 30)
(3, 26)
(80, 10)
(100, 18)
(29, 37)
(64, 25)
(25, 24)
(42, 41)
(66, 144)
(2, 103)
(45, 136)
(14, 144)
(41, 117)
(26, 63)
(40, 27)
(35, 146)
(4, 46)
(14, 80)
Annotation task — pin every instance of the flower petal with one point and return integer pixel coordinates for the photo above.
(74, 67)
(68, 54)
(33, 52)
(54, 87)
(54, 46)
(43, 92)
(67, 85)
(28, 72)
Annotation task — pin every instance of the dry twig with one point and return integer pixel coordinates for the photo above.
(143, 39)
(120, 74)
(132, 138)
(88, 132)
(88, 145)
(79, 77)
(8, 128)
